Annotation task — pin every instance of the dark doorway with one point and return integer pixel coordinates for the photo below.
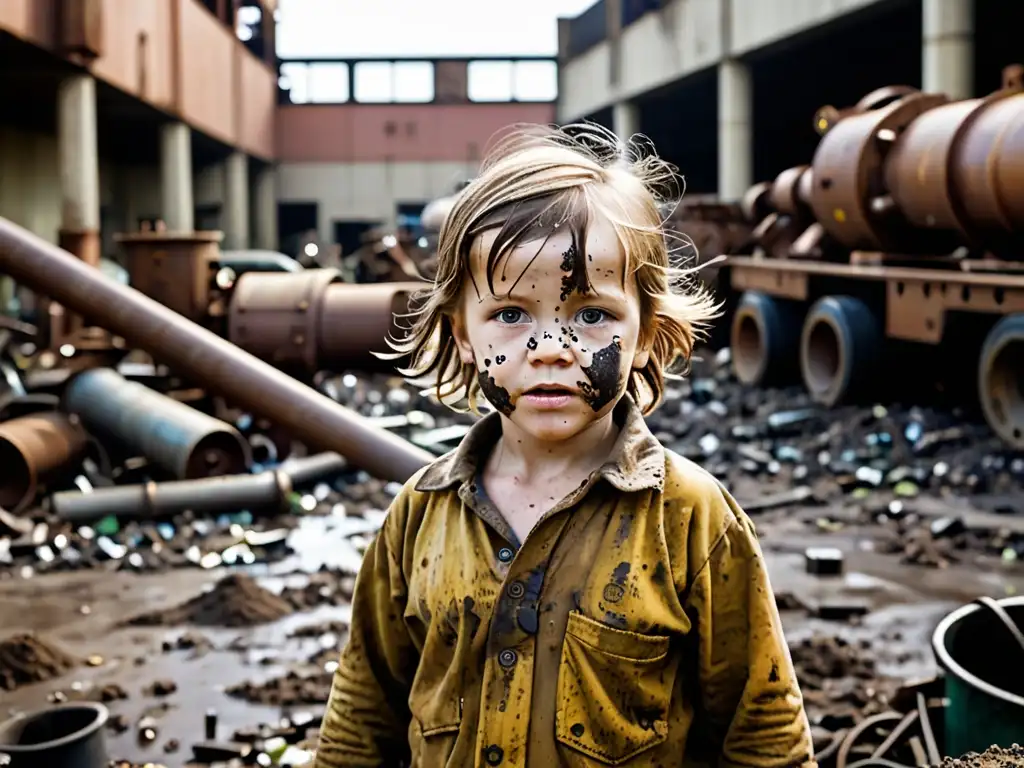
(294, 222)
(349, 234)
(207, 217)
(408, 218)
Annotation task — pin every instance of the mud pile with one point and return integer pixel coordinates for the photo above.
(993, 757)
(235, 601)
(26, 659)
(291, 689)
(839, 682)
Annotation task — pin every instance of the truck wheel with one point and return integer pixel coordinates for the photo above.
(839, 349)
(1001, 379)
(765, 339)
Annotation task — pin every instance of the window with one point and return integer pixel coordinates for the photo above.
(381, 82)
(315, 83)
(512, 81)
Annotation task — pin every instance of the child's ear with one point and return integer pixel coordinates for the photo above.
(461, 338)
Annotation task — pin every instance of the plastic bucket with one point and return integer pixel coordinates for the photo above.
(65, 736)
(984, 666)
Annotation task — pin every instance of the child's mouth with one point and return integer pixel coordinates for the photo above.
(549, 396)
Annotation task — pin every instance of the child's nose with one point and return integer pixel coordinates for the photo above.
(550, 349)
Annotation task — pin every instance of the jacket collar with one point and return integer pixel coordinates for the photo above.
(637, 462)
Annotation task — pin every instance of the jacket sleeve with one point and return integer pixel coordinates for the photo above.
(367, 715)
(749, 696)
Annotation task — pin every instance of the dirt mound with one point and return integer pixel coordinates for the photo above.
(235, 601)
(291, 689)
(993, 757)
(26, 659)
(839, 682)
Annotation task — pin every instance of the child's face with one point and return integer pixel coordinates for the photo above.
(554, 355)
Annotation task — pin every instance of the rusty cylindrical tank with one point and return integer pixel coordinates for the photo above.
(223, 367)
(187, 443)
(848, 170)
(173, 268)
(33, 450)
(960, 167)
(310, 321)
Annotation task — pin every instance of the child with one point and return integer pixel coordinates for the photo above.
(561, 590)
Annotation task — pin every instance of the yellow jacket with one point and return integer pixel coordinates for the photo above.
(635, 627)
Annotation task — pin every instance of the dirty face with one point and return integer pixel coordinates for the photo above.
(554, 344)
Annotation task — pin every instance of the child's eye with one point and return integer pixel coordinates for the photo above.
(590, 316)
(510, 316)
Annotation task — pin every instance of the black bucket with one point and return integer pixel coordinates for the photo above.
(65, 736)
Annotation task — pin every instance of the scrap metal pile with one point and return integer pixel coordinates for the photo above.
(905, 231)
(143, 403)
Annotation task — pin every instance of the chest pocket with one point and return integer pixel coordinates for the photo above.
(614, 691)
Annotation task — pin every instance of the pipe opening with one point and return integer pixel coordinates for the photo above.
(824, 351)
(748, 348)
(1006, 387)
(218, 453)
(16, 479)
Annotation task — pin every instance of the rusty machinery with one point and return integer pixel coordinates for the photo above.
(306, 321)
(911, 213)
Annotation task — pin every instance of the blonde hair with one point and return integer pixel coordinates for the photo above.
(533, 180)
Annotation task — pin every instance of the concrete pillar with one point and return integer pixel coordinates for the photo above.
(947, 47)
(735, 135)
(625, 119)
(265, 208)
(176, 177)
(236, 201)
(79, 162)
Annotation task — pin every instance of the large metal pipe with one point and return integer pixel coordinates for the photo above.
(186, 442)
(33, 450)
(310, 321)
(222, 367)
(261, 492)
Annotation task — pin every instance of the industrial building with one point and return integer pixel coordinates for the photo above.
(727, 89)
(119, 114)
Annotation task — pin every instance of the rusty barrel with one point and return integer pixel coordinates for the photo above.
(33, 450)
(186, 442)
(310, 321)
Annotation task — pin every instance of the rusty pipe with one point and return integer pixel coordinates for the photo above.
(264, 491)
(223, 367)
(310, 321)
(33, 450)
(187, 443)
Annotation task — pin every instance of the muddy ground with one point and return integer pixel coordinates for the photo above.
(904, 604)
(855, 636)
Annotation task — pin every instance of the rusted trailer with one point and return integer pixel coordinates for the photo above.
(908, 223)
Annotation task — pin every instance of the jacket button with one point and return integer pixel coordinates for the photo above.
(493, 754)
(516, 590)
(505, 555)
(507, 658)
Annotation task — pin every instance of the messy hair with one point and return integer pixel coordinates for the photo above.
(534, 180)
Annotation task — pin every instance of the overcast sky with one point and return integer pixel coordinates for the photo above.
(352, 28)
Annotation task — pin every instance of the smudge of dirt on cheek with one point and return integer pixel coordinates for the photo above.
(575, 265)
(496, 395)
(605, 376)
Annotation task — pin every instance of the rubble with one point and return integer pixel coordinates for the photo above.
(28, 658)
(993, 757)
(839, 681)
(235, 601)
